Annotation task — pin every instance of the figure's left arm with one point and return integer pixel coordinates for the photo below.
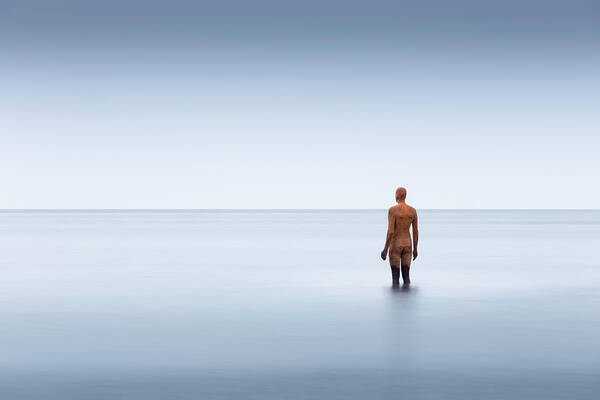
(415, 231)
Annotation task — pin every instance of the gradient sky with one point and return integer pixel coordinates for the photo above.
(299, 104)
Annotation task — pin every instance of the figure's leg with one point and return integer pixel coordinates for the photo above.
(395, 275)
(406, 259)
(395, 266)
(405, 275)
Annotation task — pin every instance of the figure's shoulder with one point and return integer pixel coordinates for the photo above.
(393, 209)
(412, 210)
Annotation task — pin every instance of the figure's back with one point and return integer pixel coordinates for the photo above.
(403, 217)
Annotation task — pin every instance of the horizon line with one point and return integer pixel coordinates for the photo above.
(292, 209)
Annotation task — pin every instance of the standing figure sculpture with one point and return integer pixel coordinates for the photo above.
(398, 241)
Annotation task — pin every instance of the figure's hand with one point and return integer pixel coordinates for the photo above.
(383, 254)
(415, 254)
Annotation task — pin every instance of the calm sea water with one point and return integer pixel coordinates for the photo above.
(297, 305)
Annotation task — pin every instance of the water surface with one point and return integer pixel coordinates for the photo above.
(297, 305)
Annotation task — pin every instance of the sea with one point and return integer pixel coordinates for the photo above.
(297, 304)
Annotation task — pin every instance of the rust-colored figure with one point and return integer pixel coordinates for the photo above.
(401, 250)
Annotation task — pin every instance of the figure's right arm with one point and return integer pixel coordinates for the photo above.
(390, 233)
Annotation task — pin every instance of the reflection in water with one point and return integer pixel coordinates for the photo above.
(401, 314)
(403, 289)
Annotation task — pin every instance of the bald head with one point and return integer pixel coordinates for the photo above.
(400, 194)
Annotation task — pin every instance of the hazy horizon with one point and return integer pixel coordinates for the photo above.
(293, 209)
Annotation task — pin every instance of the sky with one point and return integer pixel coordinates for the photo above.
(289, 104)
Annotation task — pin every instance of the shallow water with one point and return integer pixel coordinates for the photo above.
(297, 305)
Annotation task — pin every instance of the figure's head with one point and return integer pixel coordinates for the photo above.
(400, 194)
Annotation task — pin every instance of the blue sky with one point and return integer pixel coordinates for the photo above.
(268, 104)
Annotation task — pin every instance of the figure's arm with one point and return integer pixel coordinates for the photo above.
(390, 233)
(415, 231)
